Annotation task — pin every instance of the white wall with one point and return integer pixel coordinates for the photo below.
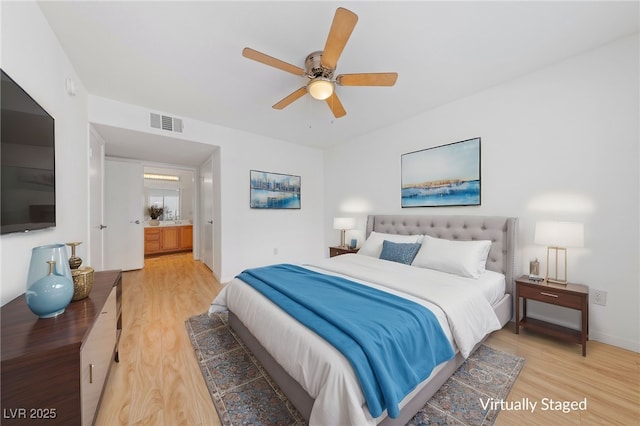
(247, 237)
(558, 144)
(32, 56)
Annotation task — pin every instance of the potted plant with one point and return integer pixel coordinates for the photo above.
(155, 212)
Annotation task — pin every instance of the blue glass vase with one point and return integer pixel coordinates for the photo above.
(49, 284)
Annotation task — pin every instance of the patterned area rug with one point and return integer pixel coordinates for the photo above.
(243, 393)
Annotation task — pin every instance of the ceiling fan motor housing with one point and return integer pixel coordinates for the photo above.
(313, 65)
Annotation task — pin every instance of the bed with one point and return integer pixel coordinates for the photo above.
(317, 378)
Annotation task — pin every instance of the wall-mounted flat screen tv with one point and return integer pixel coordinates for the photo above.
(27, 162)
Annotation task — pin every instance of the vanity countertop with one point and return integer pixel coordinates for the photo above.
(165, 223)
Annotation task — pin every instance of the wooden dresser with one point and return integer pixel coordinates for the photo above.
(54, 370)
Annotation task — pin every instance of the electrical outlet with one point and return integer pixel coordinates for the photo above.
(599, 297)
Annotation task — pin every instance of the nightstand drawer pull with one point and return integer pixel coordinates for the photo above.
(548, 294)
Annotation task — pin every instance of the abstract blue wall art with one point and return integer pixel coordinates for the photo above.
(274, 190)
(447, 175)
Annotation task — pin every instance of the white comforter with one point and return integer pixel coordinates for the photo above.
(324, 372)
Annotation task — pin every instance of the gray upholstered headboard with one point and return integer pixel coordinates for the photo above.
(500, 230)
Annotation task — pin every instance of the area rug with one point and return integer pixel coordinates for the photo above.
(243, 393)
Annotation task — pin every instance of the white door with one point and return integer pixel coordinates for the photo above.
(206, 213)
(124, 215)
(96, 194)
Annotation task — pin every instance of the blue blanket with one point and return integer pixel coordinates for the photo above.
(392, 343)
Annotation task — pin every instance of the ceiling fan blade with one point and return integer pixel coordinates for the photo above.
(289, 99)
(368, 79)
(343, 24)
(247, 52)
(336, 106)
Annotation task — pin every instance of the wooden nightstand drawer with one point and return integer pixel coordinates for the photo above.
(550, 295)
(337, 251)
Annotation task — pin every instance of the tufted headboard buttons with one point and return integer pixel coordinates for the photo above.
(500, 230)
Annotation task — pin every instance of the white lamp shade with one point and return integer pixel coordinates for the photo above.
(344, 223)
(559, 234)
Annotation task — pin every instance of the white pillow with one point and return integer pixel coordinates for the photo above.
(464, 258)
(373, 245)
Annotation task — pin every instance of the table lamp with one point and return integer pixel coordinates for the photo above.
(557, 236)
(343, 223)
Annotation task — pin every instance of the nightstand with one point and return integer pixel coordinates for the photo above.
(337, 251)
(573, 296)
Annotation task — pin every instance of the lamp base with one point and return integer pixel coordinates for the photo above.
(556, 281)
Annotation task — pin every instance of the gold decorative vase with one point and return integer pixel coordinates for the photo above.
(82, 282)
(74, 261)
(82, 277)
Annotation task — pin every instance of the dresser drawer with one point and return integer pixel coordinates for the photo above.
(95, 357)
(550, 295)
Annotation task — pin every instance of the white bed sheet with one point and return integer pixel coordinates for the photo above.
(322, 370)
(492, 284)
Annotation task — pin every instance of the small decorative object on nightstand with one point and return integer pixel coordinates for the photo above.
(534, 271)
(337, 251)
(573, 296)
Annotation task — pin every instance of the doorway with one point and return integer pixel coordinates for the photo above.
(170, 193)
(96, 201)
(169, 151)
(206, 214)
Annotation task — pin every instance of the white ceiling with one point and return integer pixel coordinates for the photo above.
(152, 148)
(184, 58)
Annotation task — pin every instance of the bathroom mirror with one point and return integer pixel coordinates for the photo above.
(168, 199)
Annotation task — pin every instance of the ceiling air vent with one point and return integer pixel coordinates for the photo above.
(165, 122)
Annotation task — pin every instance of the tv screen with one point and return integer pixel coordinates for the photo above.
(27, 162)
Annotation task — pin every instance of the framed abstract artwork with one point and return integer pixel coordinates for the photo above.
(274, 190)
(447, 175)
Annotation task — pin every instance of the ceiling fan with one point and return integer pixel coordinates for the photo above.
(320, 67)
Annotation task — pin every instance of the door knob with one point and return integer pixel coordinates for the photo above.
(137, 222)
(210, 221)
(102, 227)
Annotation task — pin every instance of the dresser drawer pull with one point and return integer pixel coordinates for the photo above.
(90, 373)
(548, 294)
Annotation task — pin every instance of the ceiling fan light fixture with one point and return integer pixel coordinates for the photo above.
(320, 88)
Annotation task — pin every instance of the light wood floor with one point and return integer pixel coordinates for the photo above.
(158, 381)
